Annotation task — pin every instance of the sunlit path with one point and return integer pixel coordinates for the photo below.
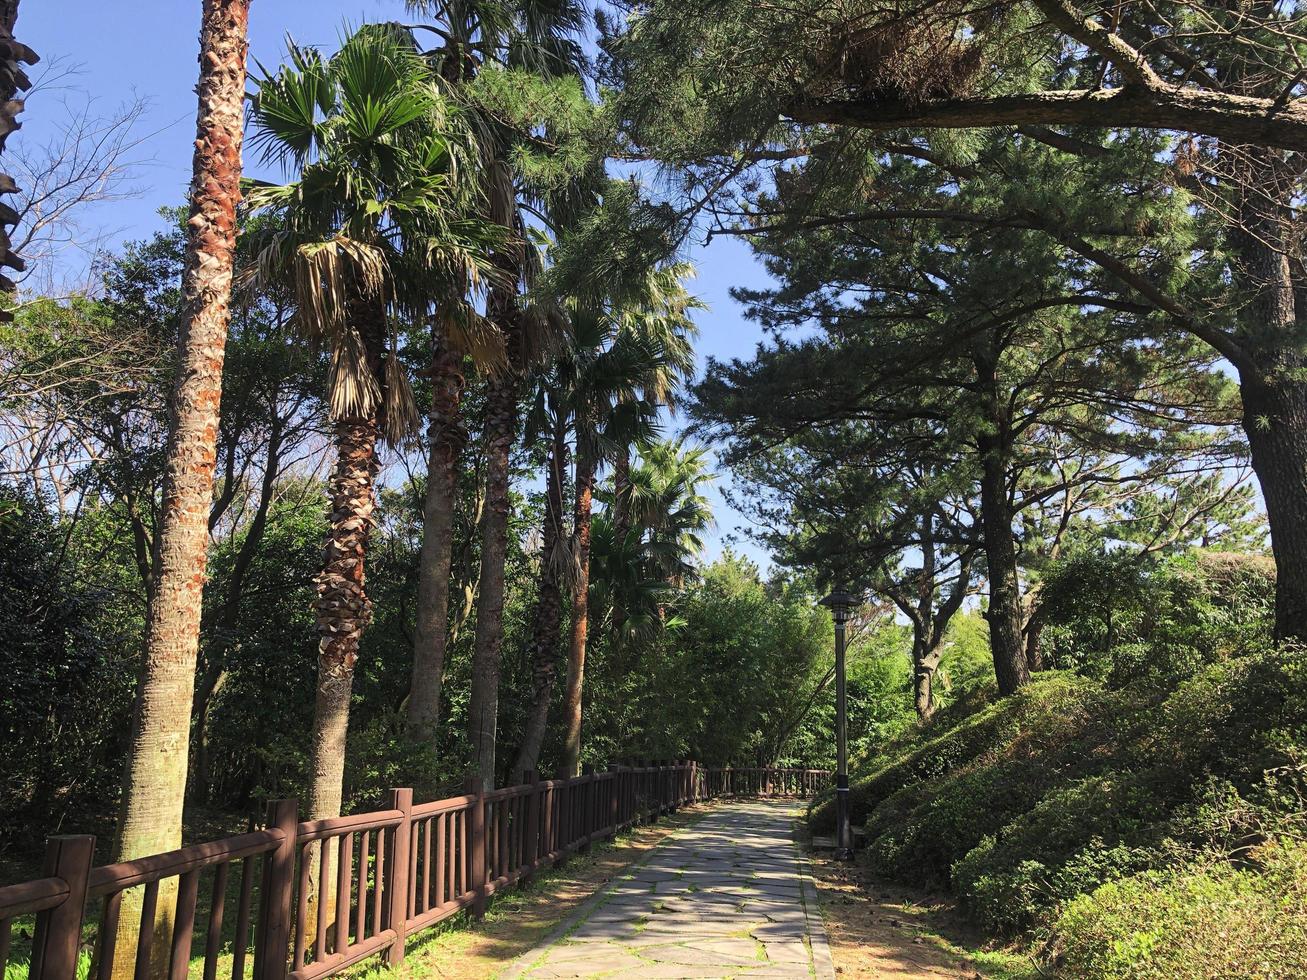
(727, 897)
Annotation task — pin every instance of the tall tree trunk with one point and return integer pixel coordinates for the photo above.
(548, 618)
(342, 606)
(155, 780)
(500, 434)
(621, 528)
(13, 55)
(1273, 384)
(1275, 419)
(1006, 642)
(585, 479)
(447, 437)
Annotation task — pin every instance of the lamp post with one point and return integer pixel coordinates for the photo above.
(841, 604)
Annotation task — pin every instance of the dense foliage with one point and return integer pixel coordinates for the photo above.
(1031, 382)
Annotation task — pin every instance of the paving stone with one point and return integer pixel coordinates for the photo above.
(697, 909)
(685, 956)
(787, 953)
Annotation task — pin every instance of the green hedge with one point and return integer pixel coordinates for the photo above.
(1038, 799)
(1214, 921)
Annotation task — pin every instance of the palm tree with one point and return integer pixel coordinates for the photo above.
(592, 391)
(155, 776)
(457, 335)
(669, 508)
(375, 228)
(668, 514)
(539, 35)
(607, 387)
(667, 324)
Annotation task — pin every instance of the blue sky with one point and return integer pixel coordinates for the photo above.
(148, 48)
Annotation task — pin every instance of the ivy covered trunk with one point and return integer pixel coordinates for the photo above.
(446, 437)
(585, 480)
(156, 766)
(548, 619)
(342, 605)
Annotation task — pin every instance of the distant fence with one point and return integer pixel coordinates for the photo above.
(304, 900)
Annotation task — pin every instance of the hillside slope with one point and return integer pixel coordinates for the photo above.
(1115, 828)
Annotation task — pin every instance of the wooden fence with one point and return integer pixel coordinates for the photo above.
(304, 900)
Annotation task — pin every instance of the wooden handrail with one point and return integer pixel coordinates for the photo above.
(365, 881)
(31, 896)
(128, 874)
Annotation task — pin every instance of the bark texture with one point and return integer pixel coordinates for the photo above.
(13, 80)
(155, 779)
(1006, 641)
(446, 439)
(548, 619)
(342, 606)
(924, 664)
(585, 480)
(621, 528)
(500, 434)
(1272, 376)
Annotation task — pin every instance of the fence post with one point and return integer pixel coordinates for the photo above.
(59, 930)
(397, 883)
(651, 790)
(476, 833)
(273, 935)
(547, 827)
(615, 799)
(587, 788)
(565, 790)
(531, 836)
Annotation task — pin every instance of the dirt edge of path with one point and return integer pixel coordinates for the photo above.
(886, 931)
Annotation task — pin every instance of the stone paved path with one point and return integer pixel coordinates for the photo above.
(726, 897)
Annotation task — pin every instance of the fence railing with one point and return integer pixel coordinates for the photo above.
(304, 900)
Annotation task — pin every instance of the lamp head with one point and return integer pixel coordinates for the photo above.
(841, 604)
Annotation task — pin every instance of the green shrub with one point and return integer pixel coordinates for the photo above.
(1204, 922)
(1121, 619)
(959, 740)
(1038, 799)
(996, 767)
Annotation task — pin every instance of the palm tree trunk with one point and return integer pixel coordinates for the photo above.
(15, 80)
(342, 606)
(585, 479)
(548, 616)
(500, 434)
(446, 437)
(621, 528)
(155, 779)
